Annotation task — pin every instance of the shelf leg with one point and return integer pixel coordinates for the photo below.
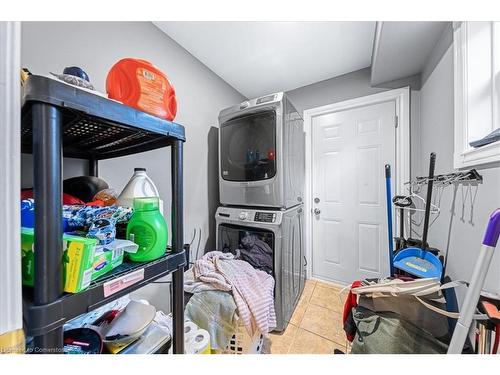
(177, 246)
(93, 167)
(47, 181)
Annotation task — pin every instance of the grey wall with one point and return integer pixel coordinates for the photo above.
(354, 85)
(460, 225)
(442, 45)
(201, 94)
(348, 86)
(401, 49)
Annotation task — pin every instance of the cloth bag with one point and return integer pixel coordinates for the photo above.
(388, 333)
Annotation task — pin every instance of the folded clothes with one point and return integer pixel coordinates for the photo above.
(253, 290)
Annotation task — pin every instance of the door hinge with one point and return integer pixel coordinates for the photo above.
(396, 121)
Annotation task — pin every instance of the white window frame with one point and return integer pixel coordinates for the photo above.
(464, 155)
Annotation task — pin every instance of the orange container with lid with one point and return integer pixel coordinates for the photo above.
(139, 84)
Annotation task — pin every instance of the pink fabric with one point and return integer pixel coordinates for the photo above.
(252, 289)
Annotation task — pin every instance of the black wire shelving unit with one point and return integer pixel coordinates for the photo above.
(62, 120)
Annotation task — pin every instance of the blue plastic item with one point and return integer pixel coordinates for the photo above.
(77, 72)
(418, 262)
(104, 230)
(28, 213)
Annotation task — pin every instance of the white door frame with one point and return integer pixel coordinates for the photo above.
(11, 315)
(401, 97)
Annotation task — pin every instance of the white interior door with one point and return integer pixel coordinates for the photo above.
(349, 226)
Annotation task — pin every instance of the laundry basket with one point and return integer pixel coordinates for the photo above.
(243, 343)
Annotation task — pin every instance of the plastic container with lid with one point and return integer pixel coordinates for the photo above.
(148, 229)
(139, 186)
(139, 84)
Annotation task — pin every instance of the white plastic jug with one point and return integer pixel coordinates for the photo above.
(140, 185)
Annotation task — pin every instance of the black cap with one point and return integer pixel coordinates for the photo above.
(139, 169)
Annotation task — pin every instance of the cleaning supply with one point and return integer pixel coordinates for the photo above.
(107, 196)
(84, 260)
(78, 260)
(139, 185)
(139, 84)
(478, 278)
(419, 261)
(401, 202)
(148, 229)
(106, 259)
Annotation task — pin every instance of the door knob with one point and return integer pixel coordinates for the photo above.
(317, 211)
(316, 200)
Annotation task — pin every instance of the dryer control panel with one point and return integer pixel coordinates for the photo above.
(265, 217)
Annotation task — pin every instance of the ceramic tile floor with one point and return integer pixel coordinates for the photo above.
(316, 324)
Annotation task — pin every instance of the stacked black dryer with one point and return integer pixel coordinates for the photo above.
(261, 179)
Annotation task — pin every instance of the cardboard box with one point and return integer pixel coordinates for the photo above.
(105, 260)
(78, 260)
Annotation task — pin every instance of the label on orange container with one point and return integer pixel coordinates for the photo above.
(152, 90)
(141, 85)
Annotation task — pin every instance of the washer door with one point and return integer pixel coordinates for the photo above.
(253, 245)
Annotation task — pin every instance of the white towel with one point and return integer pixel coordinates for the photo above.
(252, 289)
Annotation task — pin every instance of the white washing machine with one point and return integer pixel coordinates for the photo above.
(270, 240)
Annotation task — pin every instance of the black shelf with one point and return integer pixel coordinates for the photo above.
(43, 319)
(94, 127)
(60, 119)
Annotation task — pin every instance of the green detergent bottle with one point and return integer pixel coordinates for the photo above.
(148, 229)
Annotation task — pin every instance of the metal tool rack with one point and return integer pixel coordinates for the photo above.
(62, 120)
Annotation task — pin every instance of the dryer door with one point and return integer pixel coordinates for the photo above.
(248, 147)
(254, 245)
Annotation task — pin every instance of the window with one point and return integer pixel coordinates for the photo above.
(477, 91)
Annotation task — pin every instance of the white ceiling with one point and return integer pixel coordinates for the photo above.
(258, 58)
(402, 48)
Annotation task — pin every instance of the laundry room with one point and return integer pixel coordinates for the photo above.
(250, 186)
